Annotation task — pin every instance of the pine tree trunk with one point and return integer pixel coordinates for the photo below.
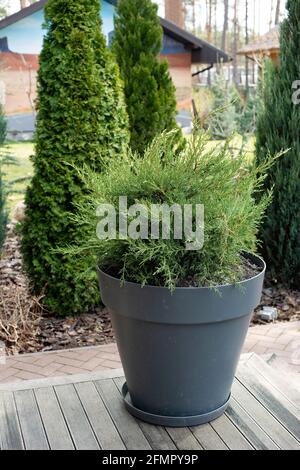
(253, 37)
(247, 42)
(209, 29)
(225, 26)
(209, 19)
(271, 14)
(277, 14)
(235, 42)
(215, 22)
(194, 15)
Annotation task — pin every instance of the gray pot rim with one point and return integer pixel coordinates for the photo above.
(184, 305)
(255, 258)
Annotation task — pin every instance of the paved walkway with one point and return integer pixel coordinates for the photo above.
(280, 338)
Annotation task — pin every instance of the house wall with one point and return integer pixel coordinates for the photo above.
(26, 37)
(18, 91)
(18, 82)
(180, 70)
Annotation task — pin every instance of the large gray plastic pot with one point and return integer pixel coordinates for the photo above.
(180, 350)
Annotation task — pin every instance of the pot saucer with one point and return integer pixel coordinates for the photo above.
(171, 421)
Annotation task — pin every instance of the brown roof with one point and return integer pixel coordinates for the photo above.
(265, 44)
(14, 61)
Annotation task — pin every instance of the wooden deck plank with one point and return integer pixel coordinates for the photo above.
(87, 412)
(250, 375)
(184, 439)
(278, 433)
(78, 424)
(30, 421)
(10, 432)
(208, 437)
(230, 434)
(255, 434)
(130, 432)
(102, 424)
(157, 436)
(260, 368)
(272, 399)
(64, 380)
(56, 429)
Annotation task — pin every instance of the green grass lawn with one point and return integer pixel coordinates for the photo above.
(21, 151)
(236, 144)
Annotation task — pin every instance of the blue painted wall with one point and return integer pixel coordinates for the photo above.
(26, 35)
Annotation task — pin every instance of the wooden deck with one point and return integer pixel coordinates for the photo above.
(87, 412)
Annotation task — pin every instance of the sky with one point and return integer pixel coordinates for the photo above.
(262, 12)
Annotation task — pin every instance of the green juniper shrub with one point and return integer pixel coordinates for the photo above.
(226, 109)
(199, 174)
(149, 91)
(278, 127)
(81, 120)
(247, 120)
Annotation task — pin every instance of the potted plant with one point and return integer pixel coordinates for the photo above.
(180, 305)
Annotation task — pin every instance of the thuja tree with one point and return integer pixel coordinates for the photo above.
(278, 128)
(149, 91)
(81, 121)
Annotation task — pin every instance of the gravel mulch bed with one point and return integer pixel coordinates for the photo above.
(26, 327)
(286, 301)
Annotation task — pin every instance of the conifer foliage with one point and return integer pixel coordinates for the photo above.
(226, 109)
(81, 121)
(278, 128)
(149, 91)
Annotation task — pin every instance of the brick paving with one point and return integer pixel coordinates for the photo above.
(60, 363)
(283, 339)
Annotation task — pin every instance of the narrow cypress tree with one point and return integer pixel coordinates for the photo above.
(278, 128)
(81, 121)
(149, 91)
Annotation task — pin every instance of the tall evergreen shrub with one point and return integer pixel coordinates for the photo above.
(149, 91)
(81, 121)
(279, 128)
